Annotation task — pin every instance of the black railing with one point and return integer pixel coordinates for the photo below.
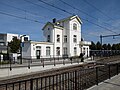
(40, 62)
(73, 79)
(104, 53)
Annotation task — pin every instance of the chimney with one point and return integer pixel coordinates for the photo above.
(54, 20)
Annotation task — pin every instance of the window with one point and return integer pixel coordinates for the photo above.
(75, 51)
(2, 43)
(48, 28)
(38, 47)
(74, 38)
(25, 38)
(65, 38)
(38, 50)
(58, 51)
(87, 52)
(48, 38)
(47, 51)
(58, 38)
(65, 50)
(74, 26)
(14, 38)
(84, 51)
(1, 37)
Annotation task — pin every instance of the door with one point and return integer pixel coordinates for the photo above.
(38, 54)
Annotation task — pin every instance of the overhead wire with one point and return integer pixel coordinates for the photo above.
(73, 14)
(24, 10)
(100, 12)
(8, 14)
(47, 8)
(78, 10)
(43, 7)
(97, 9)
(24, 18)
(86, 14)
(19, 17)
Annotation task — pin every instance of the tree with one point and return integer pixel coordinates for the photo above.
(14, 45)
(93, 46)
(98, 45)
(109, 47)
(118, 46)
(104, 46)
(114, 47)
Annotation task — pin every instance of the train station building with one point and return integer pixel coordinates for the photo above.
(63, 38)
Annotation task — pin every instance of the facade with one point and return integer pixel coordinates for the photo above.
(63, 38)
(4, 39)
(8, 37)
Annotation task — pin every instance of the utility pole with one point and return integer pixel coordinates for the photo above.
(107, 36)
(101, 41)
(21, 48)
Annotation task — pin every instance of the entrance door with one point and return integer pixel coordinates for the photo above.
(38, 54)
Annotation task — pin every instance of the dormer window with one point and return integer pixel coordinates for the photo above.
(48, 28)
(74, 26)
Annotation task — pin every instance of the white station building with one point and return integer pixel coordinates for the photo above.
(63, 38)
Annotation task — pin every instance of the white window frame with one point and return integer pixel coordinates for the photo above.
(65, 50)
(47, 51)
(65, 38)
(75, 38)
(38, 48)
(75, 50)
(58, 38)
(74, 26)
(58, 51)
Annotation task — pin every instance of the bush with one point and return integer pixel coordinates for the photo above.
(4, 62)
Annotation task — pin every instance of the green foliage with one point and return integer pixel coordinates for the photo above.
(4, 62)
(116, 46)
(97, 46)
(93, 46)
(109, 47)
(14, 45)
(104, 46)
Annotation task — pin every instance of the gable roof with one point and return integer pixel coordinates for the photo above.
(48, 23)
(68, 18)
(53, 24)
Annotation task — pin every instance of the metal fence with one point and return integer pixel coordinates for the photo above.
(76, 79)
(104, 53)
(40, 62)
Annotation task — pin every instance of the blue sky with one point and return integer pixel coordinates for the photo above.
(105, 13)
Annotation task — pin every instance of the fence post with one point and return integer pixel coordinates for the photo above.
(54, 61)
(31, 84)
(58, 57)
(109, 70)
(117, 68)
(96, 75)
(75, 80)
(10, 65)
(63, 61)
(78, 60)
(28, 64)
(43, 62)
(71, 59)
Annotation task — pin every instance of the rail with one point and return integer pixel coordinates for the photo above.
(76, 79)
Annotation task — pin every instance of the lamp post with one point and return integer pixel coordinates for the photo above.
(21, 48)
